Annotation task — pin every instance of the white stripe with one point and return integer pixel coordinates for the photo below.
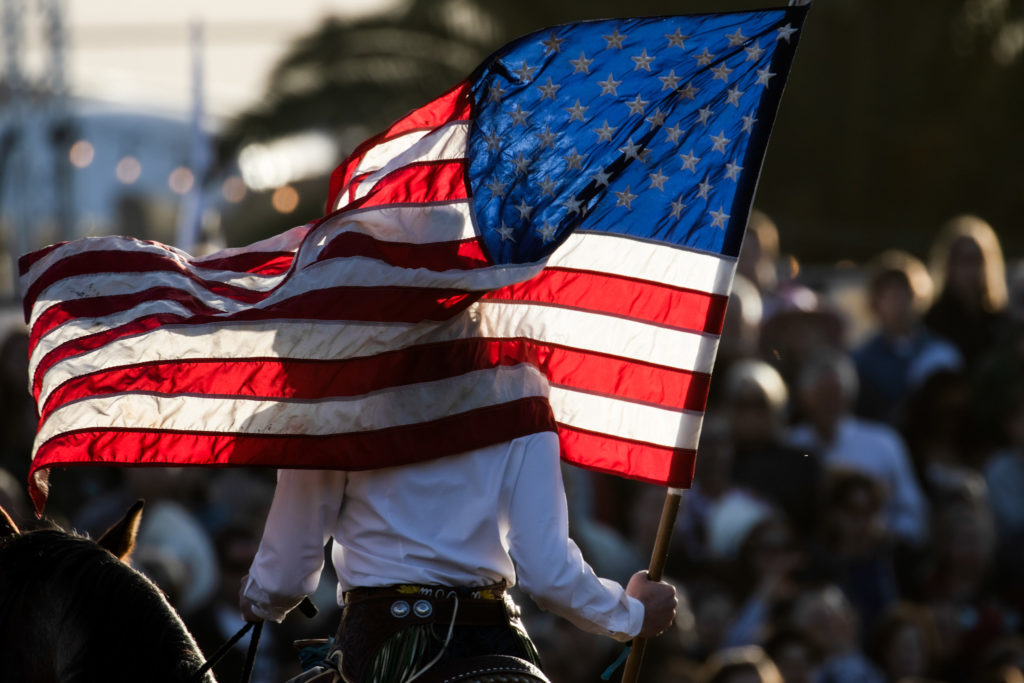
(354, 272)
(447, 142)
(344, 340)
(90, 244)
(409, 224)
(287, 241)
(377, 156)
(82, 327)
(587, 331)
(624, 419)
(91, 285)
(662, 263)
(394, 407)
(404, 224)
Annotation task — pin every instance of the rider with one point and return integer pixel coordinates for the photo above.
(424, 552)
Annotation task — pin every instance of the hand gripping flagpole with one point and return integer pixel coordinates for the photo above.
(658, 558)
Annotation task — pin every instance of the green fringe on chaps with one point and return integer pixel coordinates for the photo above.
(401, 655)
(408, 651)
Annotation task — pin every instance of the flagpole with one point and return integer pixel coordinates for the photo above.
(659, 556)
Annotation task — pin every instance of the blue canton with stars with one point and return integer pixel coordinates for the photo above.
(649, 127)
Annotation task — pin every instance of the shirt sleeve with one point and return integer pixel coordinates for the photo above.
(291, 554)
(549, 565)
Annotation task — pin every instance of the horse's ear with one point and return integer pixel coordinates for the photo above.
(120, 538)
(7, 525)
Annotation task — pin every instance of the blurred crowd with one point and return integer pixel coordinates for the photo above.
(856, 515)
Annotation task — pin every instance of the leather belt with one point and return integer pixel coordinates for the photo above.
(436, 604)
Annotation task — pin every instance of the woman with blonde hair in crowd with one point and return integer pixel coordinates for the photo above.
(970, 275)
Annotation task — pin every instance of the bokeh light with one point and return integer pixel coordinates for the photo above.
(181, 180)
(128, 170)
(285, 199)
(233, 189)
(81, 154)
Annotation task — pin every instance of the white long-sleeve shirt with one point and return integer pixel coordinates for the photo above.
(470, 519)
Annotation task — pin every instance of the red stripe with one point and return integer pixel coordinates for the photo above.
(361, 450)
(257, 263)
(95, 307)
(310, 379)
(418, 183)
(626, 458)
(26, 262)
(435, 256)
(454, 105)
(358, 304)
(127, 262)
(621, 296)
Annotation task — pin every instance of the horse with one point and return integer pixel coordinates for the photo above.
(73, 611)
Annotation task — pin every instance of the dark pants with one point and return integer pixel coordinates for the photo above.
(375, 636)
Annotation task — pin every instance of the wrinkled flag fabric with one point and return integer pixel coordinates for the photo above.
(549, 245)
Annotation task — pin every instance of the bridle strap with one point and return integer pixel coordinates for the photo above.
(226, 647)
(250, 656)
(306, 607)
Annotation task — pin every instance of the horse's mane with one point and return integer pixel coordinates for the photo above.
(77, 601)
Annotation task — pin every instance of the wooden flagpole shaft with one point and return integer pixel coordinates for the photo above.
(658, 558)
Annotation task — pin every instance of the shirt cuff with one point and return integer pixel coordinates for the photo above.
(268, 606)
(636, 620)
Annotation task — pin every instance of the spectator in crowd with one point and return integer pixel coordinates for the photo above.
(824, 615)
(827, 387)
(904, 644)
(741, 331)
(761, 262)
(958, 589)
(1003, 662)
(755, 403)
(747, 664)
(758, 261)
(714, 611)
(936, 425)
(714, 514)
(967, 265)
(1004, 474)
(765, 568)
(902, 352)
(999, 377)
(853, 550)
(794, 654)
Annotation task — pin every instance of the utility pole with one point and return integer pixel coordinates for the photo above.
(13, 162)
(190, 216)
(62, 123)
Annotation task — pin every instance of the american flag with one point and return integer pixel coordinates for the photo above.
(549, 245)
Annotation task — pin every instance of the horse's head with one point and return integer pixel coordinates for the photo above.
(118, 540)
(70, 605)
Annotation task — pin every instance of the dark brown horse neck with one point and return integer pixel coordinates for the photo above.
(70, 611)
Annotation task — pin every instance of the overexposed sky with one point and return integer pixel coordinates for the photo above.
(136, 52)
